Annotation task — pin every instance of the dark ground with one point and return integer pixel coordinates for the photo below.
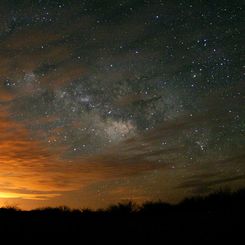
(217, 218)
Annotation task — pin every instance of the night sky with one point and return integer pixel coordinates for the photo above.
(108, 101)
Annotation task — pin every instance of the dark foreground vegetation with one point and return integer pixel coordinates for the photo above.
(218, 217)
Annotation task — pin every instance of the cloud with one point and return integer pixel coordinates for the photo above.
(200, 185)
(30, 170)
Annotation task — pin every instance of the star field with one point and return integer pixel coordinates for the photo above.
(103, 101)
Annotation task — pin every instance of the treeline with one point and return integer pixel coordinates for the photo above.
(218, 216)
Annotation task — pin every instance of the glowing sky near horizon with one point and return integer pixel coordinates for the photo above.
(107, 101)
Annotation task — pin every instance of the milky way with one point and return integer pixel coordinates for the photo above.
(103, 101)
